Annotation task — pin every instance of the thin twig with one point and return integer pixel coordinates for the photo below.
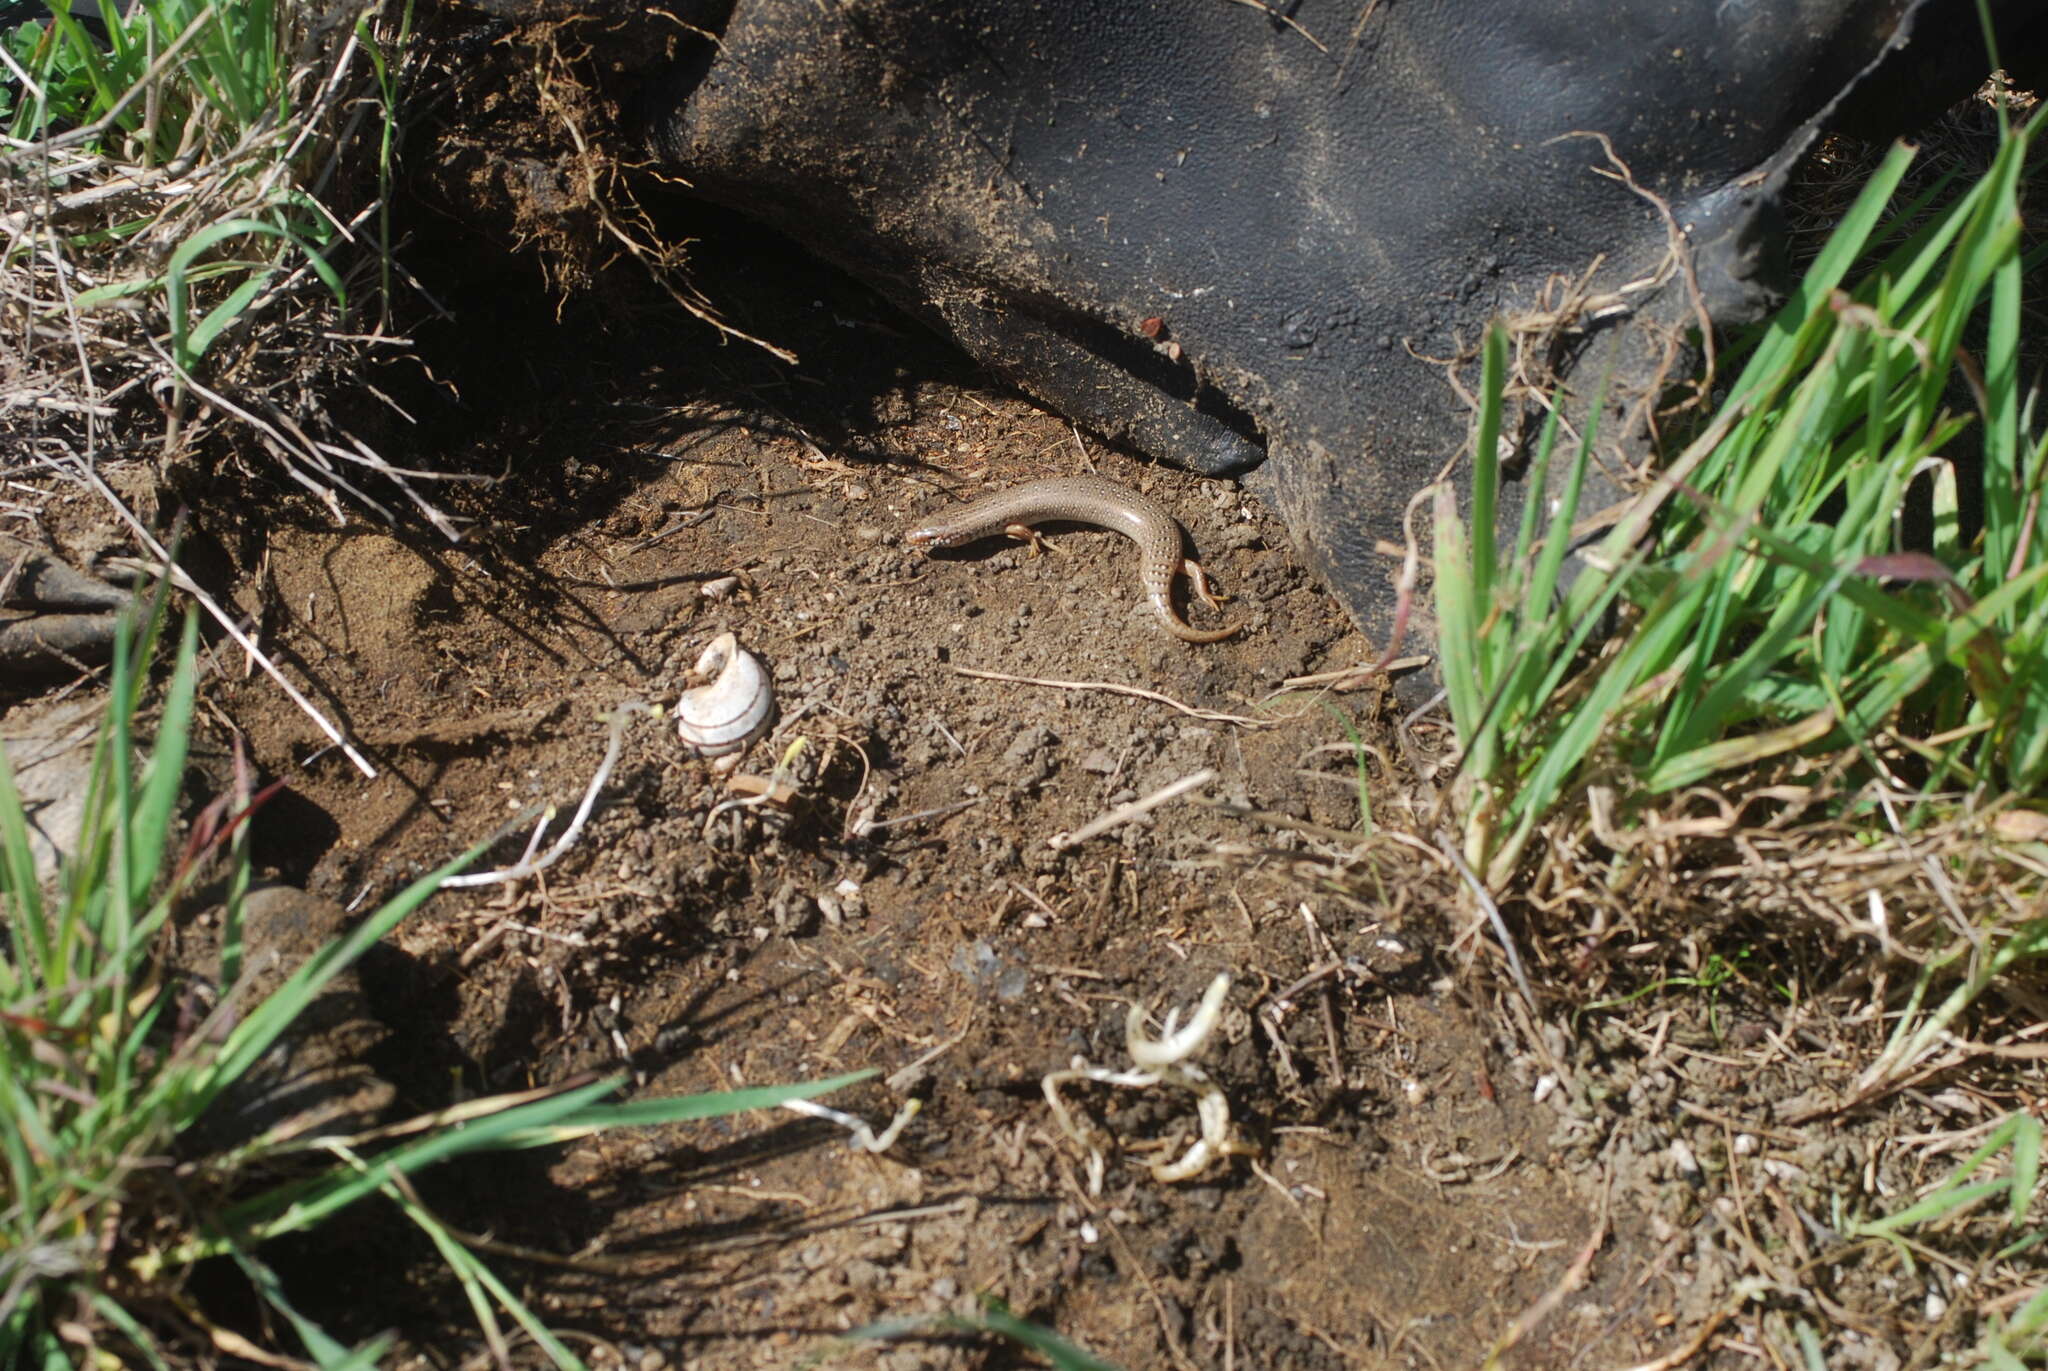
(166, 567)
(1573, 1278)
(865, 827)
(1676, 241)
(1281, 16)
(1404, 588)
(1114, 688)
(1500, 925)
(1136, 809)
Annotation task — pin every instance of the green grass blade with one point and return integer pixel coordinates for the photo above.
(253, 1036)
(22, 1139)
(109, 920)
(226, 312)
(138, 1337)
(27, 930)
(1537, 485)
(540, 1123)
(1458, 617)
(1065, 1356)
(1486, 465)
(1948, 1200)
(1907, 673)
(85, 51)
(156, 807)
(1363, 772)
(1543, 581)
(2004, 514)
(125, 49)
(327, 1353)
(483, 1285)
(179, 272)
(1810, 297)
(301, 1205)
(681, 1109)
(2026, 1164)
(1657, 643)
(18, 1328)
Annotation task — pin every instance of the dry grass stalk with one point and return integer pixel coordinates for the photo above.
(91, 231)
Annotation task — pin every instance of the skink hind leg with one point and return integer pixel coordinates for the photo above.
(1198, 581)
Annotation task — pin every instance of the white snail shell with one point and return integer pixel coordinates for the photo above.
(733, 707)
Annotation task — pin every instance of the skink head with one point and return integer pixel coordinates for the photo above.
(932, 535)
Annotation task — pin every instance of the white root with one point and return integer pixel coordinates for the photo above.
(863, 1137)
(1160, 1061)
(1175, 1046)
(528, 864)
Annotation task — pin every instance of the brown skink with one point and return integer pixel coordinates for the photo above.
(1086, 500)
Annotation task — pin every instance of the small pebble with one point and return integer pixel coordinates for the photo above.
(1681, 1154)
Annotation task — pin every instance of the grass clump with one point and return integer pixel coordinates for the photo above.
(1801, 679)
(153, 83)
(101, 1212)
(991, 1319)
(1769, 607)
(193, 218)
(170, 93)
(2006, 1343)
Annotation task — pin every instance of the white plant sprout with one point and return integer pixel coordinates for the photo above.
(1158, 1061)
(532, 861)
(863, 1137)
(778, 784)
(530, 865)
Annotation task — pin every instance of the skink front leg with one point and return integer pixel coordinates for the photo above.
(1025, 533)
